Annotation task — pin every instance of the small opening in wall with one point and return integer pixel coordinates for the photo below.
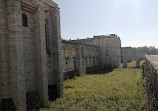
(24, 20)
(53, 92)
(66, 62)
(66, 51)
(7, 105)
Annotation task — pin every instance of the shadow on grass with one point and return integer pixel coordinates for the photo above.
(100, 71)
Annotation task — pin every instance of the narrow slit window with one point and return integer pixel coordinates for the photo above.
(24, 20)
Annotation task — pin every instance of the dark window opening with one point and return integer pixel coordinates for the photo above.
(48, 49)
(53, 92)
(24, 20)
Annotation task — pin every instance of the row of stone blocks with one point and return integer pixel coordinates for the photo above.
(150, 73)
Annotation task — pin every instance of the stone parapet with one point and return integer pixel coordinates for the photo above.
(150, 72)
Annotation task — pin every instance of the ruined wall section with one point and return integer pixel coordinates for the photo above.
(125, 50)
(69, 52)
(151, 77)
(92, 59)
(73, 57)
(79, 58)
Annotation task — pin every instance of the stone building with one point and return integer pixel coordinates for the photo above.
(91, 54)
(110, 49)
(109, 52)
(30, 54)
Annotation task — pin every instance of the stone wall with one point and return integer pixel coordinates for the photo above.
(125, 50)
(30, 45)
(132, 57)
(109, 52)
(91, 55)
(150, 72)
(79, 58)
(110, 49)
(32, 54)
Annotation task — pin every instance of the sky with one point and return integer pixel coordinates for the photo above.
(134, 21)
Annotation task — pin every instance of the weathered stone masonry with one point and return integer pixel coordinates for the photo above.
(128, 56)
(79, 58)
(27, 56)
(150, 72)
(32, 54)
(92, 54)
(132, 57)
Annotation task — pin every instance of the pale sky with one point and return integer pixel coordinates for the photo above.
(135, 21)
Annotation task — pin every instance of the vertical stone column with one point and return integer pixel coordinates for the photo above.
(100, 57)
(15, 41)
(41, 59)
(137, 63)
(84, 59)
(78, 59)
(4, 61)
(56, 48)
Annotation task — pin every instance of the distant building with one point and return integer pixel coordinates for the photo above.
(110, 49)
(92, 54)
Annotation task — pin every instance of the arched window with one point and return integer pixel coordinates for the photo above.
(24, 20)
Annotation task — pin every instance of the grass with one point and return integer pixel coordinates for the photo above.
(119, 90)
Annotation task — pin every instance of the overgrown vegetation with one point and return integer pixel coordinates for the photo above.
(119, 90)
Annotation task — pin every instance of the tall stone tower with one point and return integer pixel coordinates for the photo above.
(30, 45)
(110, 50)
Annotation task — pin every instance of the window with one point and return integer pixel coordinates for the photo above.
(73, 52)
(24, 20)
(48, 48)
(82, 52)
(66, 51)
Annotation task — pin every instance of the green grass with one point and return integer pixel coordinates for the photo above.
(119, 90)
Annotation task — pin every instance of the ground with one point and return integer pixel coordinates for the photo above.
(119, 90)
